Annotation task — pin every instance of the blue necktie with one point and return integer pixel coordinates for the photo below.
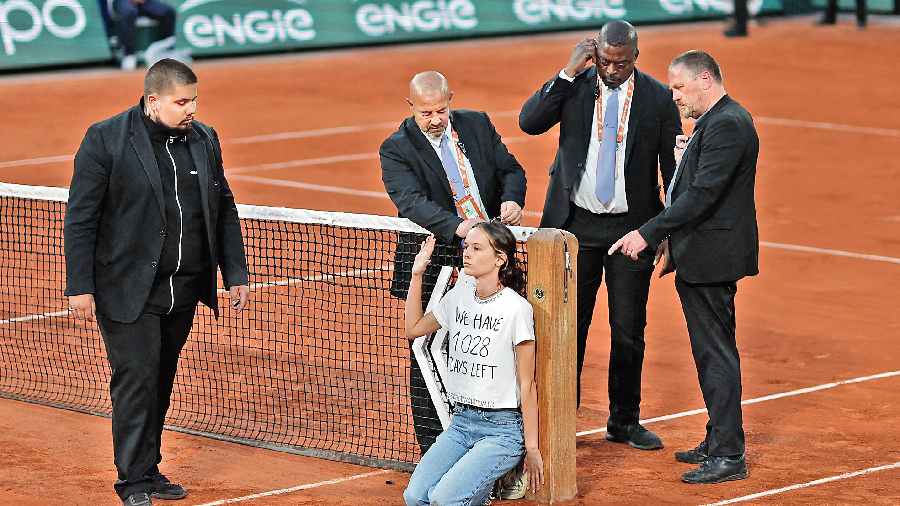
(606, 161)
(448, 160)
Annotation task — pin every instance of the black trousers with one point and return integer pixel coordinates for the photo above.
(143, 356)
(741, 15)
(627, 286)
(128, 12)
(832, 8)
(709, 312)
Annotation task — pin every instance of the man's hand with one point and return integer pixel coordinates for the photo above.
(465, 226)
(82, 307)
(631, 244)
(510, 213)
(582, 56)
(664, 257)
(681, 142)
(240, 296)
(423, 257)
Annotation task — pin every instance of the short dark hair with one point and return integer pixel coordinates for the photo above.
(619, 33)
(166, 74)
(698, 61)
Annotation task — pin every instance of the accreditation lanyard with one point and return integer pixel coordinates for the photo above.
(466, 207)
(623, 120)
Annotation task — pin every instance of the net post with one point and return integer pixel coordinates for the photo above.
(552, 260)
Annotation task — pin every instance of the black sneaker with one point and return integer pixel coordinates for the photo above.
(635, 435)
(137, 499)
(162, 488)
(695, 456)
(717, 470)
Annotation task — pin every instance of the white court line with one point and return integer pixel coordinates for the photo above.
(348, 129)
(327, 160)
(822, 125)
(757, 400)
(579, 434)
(309, 186)
(306, 134)
(831, 252)
(895, 465)
(295, 489)
(303, 162)
(34, 317)
(37, 161)
(322, 132)
(318, 277)
(253, 286)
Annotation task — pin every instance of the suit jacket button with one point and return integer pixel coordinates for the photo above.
(153, 264)
(162, 233)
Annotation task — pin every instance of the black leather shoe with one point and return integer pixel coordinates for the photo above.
(162, 488)
(137, 499)
(694, 456)
(717, 470)
(635, 435)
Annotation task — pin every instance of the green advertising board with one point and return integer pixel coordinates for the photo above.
(239, 26)
(50, 32)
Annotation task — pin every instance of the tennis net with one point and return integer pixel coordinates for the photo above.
(317, 364)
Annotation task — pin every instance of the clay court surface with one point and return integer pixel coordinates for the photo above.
(303, 131)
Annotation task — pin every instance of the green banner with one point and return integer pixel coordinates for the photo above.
(50, 32)
(238, 26)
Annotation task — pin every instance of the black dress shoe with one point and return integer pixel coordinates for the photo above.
(717, 470)
(735, 31)
(635, 435)
(137, 499)
(694, 456)
(162, 488)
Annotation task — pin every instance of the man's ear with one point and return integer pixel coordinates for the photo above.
(707, 80)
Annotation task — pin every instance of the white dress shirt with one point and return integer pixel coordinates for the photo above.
(585, 195)
(470, 174)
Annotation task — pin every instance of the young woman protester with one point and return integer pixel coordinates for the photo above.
(491, 373)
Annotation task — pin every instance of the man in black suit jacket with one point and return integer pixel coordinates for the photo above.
(445, 171)
(150, 216)
(603, 183)
(710, 223)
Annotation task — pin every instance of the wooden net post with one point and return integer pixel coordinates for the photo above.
(552, 260)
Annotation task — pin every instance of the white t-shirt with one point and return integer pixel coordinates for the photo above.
(482, 335)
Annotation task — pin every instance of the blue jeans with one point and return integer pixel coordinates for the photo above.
(462, 465)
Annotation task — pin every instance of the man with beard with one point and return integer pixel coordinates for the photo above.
(445, 171)
(617, 133)
(150, 216)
